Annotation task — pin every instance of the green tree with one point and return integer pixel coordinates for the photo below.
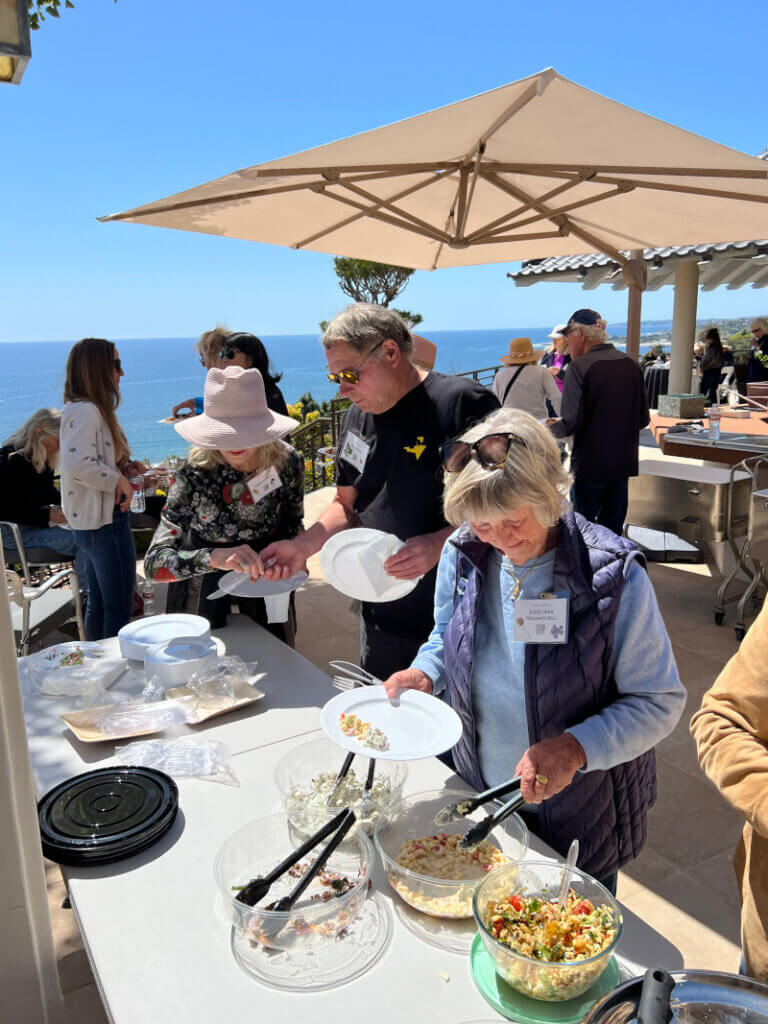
(39, 10)
(379, 283)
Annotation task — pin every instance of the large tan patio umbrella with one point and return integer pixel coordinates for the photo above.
(540, 167)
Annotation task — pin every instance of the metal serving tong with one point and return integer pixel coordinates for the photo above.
(479, 832)
(348, 676)
(453, 812)
(257, 888)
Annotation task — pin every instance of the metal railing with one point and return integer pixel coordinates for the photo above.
(484, 376)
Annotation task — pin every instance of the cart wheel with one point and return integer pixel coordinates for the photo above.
(740, 631)
(719, 618)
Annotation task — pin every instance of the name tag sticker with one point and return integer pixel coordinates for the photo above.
(264, 483)
(355, 451)
(542, 621)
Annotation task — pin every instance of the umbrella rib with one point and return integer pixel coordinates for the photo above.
(433, 234)
(531, 236)
(358, 216)
(389, 205)
(508, 217)
(621, 189)
(562, 220)
(544, 170)
(693, 190)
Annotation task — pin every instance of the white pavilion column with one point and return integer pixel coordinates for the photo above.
(683, 326)
(29, 981)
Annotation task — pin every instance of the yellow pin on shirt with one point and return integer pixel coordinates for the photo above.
(416, 449)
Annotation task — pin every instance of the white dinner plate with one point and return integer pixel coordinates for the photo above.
(138, 636)
(240, 584)
(353, 563)
(419, 726)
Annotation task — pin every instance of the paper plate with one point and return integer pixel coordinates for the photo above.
(515, 1006)
(352, 564)
(419, 726)
(239, 584)
(138, 636)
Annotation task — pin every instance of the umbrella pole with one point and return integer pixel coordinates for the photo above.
(636, 275)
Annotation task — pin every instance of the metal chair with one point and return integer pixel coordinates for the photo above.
(29, 558)
(38, 611)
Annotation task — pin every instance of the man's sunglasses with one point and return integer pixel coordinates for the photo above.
(353, 376)
(490, 451)
(118, 365)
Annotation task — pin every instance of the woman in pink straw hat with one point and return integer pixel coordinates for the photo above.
(240, 488)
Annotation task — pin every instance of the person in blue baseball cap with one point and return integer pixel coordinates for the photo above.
(604, 408)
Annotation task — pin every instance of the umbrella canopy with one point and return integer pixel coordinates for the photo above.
(539, 167)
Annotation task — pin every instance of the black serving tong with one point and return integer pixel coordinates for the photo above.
(479, 832)
(653, 1006)
(368, 786)
(270, 928)
(343, 771)
(453, 812)
(257, 888)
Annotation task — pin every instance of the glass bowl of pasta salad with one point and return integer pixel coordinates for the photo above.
(539, 950)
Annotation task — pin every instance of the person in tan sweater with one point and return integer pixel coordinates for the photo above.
(731, 733)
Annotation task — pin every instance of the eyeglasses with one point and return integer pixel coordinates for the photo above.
(118, 365)
(756, 329)
(490, 451)
(353, 376)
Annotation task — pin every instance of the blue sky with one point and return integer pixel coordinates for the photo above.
(124, 103)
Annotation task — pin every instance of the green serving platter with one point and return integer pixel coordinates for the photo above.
(515, 1006)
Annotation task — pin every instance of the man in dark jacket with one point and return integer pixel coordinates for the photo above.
(604, 408)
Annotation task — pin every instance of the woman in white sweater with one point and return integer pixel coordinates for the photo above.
(95, 494)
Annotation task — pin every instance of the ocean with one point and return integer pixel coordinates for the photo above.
(160, 372)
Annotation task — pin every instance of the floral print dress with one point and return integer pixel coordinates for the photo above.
(213, 508)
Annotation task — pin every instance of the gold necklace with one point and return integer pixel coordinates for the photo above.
(519, 580)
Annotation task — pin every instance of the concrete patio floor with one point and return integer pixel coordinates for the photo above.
(682, 884)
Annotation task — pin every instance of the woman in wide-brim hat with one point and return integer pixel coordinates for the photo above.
(522, 384)
(240, 488)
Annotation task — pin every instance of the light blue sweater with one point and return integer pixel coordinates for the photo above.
(650, 697)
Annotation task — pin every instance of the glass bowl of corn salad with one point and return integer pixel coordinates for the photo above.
(422, 861)
(305, 777)
(537, 949)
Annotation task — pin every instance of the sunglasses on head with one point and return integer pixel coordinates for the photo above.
(490, 451)
(353, 376)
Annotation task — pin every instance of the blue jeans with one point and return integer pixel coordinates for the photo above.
(602, 501)
(52, 538)
(110, 565)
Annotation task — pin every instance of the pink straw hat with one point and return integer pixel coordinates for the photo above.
(235, 413)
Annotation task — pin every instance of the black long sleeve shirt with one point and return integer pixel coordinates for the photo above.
(25, 494)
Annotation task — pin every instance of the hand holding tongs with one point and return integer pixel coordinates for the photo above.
(452, 812)
(257, 888)
(347, 676)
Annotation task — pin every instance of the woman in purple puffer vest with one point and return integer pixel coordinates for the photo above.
(573, 700)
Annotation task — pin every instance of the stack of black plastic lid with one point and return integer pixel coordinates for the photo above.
(106, 815)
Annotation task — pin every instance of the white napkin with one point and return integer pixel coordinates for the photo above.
(372, 558)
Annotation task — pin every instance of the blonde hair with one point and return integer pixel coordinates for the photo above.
(209, 345)
(273, 454)
(28, 439)
(761, 322)
(532, 474)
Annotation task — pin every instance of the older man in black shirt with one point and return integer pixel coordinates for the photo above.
(389, 474)
(604, 408)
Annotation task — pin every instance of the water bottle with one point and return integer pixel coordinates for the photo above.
(714, 423)
(148, 596)
(137, 501)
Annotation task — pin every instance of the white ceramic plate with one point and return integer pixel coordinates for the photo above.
(173, 662)
(137, 636)
(350, 566)
(239, 584)
(420, 726)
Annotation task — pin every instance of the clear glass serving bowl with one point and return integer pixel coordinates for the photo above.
(259, 847)
(441, 897)
(306, 774)
(541, 979)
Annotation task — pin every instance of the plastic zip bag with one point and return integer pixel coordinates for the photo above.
(182, 758)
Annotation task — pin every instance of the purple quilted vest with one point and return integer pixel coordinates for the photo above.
(564, 684)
